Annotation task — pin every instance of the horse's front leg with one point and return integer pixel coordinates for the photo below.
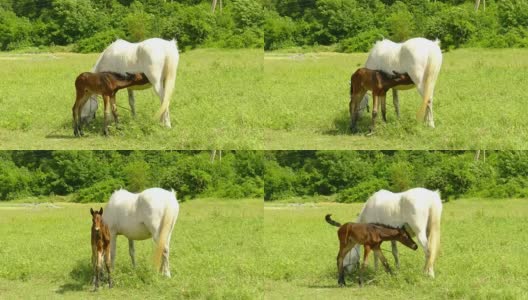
(106, 100)
(132, 252)
(107, 262)
(113, 241)
(132, 102)
(383, 260)
(383, 100)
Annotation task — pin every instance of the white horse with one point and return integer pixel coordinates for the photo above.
(418, 209)
(151, 213)
(420, 58)
(157, 58)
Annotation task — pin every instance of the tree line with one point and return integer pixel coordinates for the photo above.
(91, 176)
(354, 175)
(354, 25)
(90, 25)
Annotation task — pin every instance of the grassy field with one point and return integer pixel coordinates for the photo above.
(214, 105)
(478, 104)
(482, 254)
(45, 253)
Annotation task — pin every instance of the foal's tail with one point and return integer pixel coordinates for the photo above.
(434, 62)
(331, 222)
(433, 227)
(169, 77)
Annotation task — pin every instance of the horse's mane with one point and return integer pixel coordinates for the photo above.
(386, 226)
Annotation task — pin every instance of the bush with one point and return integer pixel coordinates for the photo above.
(362, 191)
(99, 41)
(99, 192)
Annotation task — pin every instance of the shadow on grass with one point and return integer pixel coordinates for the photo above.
(342, 124)
(80, 277)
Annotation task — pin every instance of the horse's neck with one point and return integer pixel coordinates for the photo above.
(388, 234)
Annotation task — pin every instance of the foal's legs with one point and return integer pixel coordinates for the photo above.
(107, 265)
(396, 102)
(132, 252)
(383, 100)
(106, 100)
(132, 102)
(364, 265)
(114, 108)
(377, 250)
(353, 107)
(344, 249)
(375, 107)
(395, 254)
(80, 100)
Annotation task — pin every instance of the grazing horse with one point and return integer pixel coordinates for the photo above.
(100, 247)
(418, 57)
(155, 57)
(106, 84)
(370, 236)
(379, 83)
(419, 209)
(151, 213)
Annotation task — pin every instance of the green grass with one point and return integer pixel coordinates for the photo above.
(482, 254)
(479, 103)
(215, 249)
(214, 105)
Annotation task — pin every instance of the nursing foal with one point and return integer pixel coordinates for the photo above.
(106, 84)
(100, 247)
(379, 83)
(370, 236)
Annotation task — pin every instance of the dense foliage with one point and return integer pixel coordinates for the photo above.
(93, 175)
(353, 25)
(90, 25)
(354, 175)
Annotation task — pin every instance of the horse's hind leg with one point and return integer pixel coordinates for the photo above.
(375, 107)
(165, 270)
(422, 239)
(114, 109)
(384, 107)
(157, 85)
(364, 265)
(106, 100)
(395, 254)
(113, 241)
(132, 252)
(132, 102)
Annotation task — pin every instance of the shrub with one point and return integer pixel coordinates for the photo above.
(100, 191)
(362, 191)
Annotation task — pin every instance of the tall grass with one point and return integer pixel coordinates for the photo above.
(478, 103)
(213, 105)
(482, 254)
(215, 250)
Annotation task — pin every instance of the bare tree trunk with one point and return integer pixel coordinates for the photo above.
(477, 4)
(213, 154)
(213, 6)
(221, 5)
(477, 155)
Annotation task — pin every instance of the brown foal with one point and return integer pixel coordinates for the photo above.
(379, 83)
(370, 236)
(106, 84)
(100, 247)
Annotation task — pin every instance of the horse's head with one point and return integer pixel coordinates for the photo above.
(405, 238)
(97, 219)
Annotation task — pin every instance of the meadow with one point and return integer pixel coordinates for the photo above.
(478, 103)
(482, 254)
(213, 105)
(46, 253)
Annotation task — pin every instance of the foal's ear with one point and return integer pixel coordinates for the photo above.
(101, 211)
(91, 211)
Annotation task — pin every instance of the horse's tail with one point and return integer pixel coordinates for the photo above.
(167, 222)
(169, 77)
(331, 222)
(434, 62)
(433, 228)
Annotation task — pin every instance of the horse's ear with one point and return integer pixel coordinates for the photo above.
(91, 211)
(101, 211)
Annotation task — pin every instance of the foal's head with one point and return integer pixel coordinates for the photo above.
(405, 238)
(97, 219)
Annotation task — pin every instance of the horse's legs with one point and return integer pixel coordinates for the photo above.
(157, 85)
(165, 270)
(395, 254)
(94, 265)
(383, 260)
(132, 252)
(422, 239)
(114, 108)
(106, 100)
(428, 118)
(80, 100)
(113, 240)
(132, 102)
(376, 261)
(396, 102)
